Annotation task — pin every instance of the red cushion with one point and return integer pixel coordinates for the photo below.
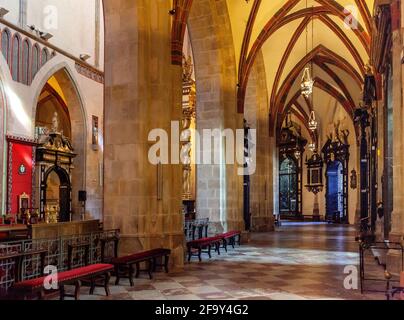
(141, 256)
(231, 234)
(204, 241)
(67, 275)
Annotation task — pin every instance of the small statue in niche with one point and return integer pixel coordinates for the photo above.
(369, 89)
(55, 123)
(186, 180)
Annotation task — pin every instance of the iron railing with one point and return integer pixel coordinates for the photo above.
(370, 255)
(57, 254)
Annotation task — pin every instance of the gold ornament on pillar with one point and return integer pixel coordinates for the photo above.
(188, 118)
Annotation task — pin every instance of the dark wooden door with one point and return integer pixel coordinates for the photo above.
(64, 200)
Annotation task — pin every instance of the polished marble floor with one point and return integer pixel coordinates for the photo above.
(298, 261)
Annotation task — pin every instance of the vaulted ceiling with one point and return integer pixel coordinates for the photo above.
(292, 34)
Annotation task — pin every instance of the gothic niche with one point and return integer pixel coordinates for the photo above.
(54, 159)
(188, 123)
(336, 158)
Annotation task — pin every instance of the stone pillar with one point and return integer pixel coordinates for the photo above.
(3, 153)
(397, 232)
(143, 91)
(358, 190)
(219, 188)
(256, 113)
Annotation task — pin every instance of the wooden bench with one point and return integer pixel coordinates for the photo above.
(125, 266)
(204, 245)
(231, 238)
(36, 287)
(97, 275)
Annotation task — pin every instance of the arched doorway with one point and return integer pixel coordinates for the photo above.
(59, 103)
(336, 155)
(56, 192)
(335, 192)
(288, 187)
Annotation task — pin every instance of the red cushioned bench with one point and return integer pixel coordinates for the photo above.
(196, 247)
(125, 266)
(35, 287)
(231, 238)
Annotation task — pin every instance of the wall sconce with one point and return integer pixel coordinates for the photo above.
(45, 35)
(84, 57)
(95, 133)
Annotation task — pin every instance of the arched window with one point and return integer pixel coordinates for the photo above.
(5, 45)
(15, 66)
(45, 56)
(26, 48)
(35, 60)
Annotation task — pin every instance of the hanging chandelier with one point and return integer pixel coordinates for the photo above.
(307, 83)
(313, 124)
(312, 147)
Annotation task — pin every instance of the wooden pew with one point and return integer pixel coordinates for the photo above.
(125, 266)
(97, 275)
(231, 238)
(204, 245)
(35, 287)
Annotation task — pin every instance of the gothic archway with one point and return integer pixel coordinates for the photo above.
(49, 196)
(59, 92)
(336, 151)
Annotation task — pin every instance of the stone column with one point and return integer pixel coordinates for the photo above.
(219, 188)
(143, 91)
(397, 231)
(256, 113)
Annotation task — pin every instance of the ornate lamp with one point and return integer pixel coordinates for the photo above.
(312, 147)
(313, 124)
(307, 83)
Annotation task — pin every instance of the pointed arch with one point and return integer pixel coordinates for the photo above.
(16, 57)
(26, 61)
(6, 44)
